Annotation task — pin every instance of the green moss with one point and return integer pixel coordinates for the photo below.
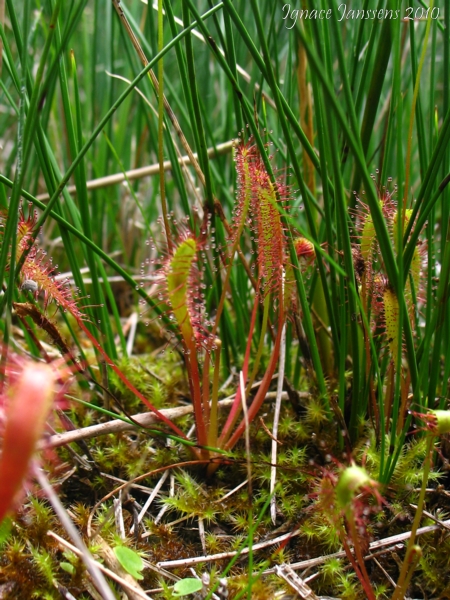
(155, 378)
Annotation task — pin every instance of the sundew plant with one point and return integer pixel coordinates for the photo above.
(224, 279)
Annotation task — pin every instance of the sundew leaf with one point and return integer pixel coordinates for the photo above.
(178, 283)
(391, 312)
(187, 586)
(130, 561)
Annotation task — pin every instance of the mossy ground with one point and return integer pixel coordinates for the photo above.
(34, 565)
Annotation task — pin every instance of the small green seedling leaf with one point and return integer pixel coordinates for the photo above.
(67, 567)
(187, 586)
(130, 561)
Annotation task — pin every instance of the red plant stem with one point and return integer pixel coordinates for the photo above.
(257, 361)
(262, 391)
(218, 315)
(201, 412)
(129, 385)
(365, 583)
(205, 384)
(212, 430)
(217, 319)
(237, 406)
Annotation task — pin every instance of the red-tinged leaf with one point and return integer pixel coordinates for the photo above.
(27, 407)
